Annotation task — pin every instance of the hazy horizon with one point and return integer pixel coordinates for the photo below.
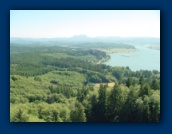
(83, 35)
(92, 23)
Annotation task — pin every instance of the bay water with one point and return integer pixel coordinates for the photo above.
(142, 59)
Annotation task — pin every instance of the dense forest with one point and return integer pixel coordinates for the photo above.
(69, 84)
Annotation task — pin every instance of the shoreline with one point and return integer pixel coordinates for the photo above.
(154, 47)
(104, 60)
(112, 51)
(118, 50)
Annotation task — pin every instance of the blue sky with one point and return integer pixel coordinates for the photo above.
(67, 23)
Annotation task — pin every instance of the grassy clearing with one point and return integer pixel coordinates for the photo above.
(117, 50)
(155, 47)
(111, 85)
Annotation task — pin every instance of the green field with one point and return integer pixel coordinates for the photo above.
(156, 47)
(117, 50)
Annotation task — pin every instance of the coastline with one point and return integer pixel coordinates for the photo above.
(154, 47)
(118, 50)
(112, 51)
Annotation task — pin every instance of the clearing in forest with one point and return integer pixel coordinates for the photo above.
(112, 84)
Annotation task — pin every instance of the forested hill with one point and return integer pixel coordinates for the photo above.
(62, 84)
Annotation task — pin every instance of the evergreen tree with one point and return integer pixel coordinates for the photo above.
(115, 103)
(94, 110)
(146, 110)
(129, 110)
(129, 82)
(154, 107)
(144, 90)
(141, 81)
(155, 85)
(102, 103)
(78, 114)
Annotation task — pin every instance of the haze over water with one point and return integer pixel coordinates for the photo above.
(144, 59)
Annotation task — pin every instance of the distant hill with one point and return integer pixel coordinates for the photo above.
(78, 39)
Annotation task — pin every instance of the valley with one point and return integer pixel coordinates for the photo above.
(70, 84)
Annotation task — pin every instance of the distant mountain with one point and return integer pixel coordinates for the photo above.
(83, 38)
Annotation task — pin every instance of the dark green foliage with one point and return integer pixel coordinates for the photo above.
(102, 104)
(81, 93)
(13, 78)
(78, 114)
(154, 104)
(56, 84)
(129, 82)
(129, 109)
(53, 82)
(92, 115)
(63, 89)
(145, 90)
(141, 81)
(37, 78)
(155, 85)
(115, 101)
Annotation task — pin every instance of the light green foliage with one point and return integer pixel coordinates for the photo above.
(115, 101)
(64, 78)
(57, 84)
(155, 106)
(78, 114)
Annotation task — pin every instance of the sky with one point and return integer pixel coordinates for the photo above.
(93, 23)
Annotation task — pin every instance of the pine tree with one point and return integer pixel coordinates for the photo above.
(102, 103)
(93, 111)
(129, 82)
(154, 84)
(78, 114)
(115, 103)
(146, 110)
(144, 90)
(129, 110)
(141, 81)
